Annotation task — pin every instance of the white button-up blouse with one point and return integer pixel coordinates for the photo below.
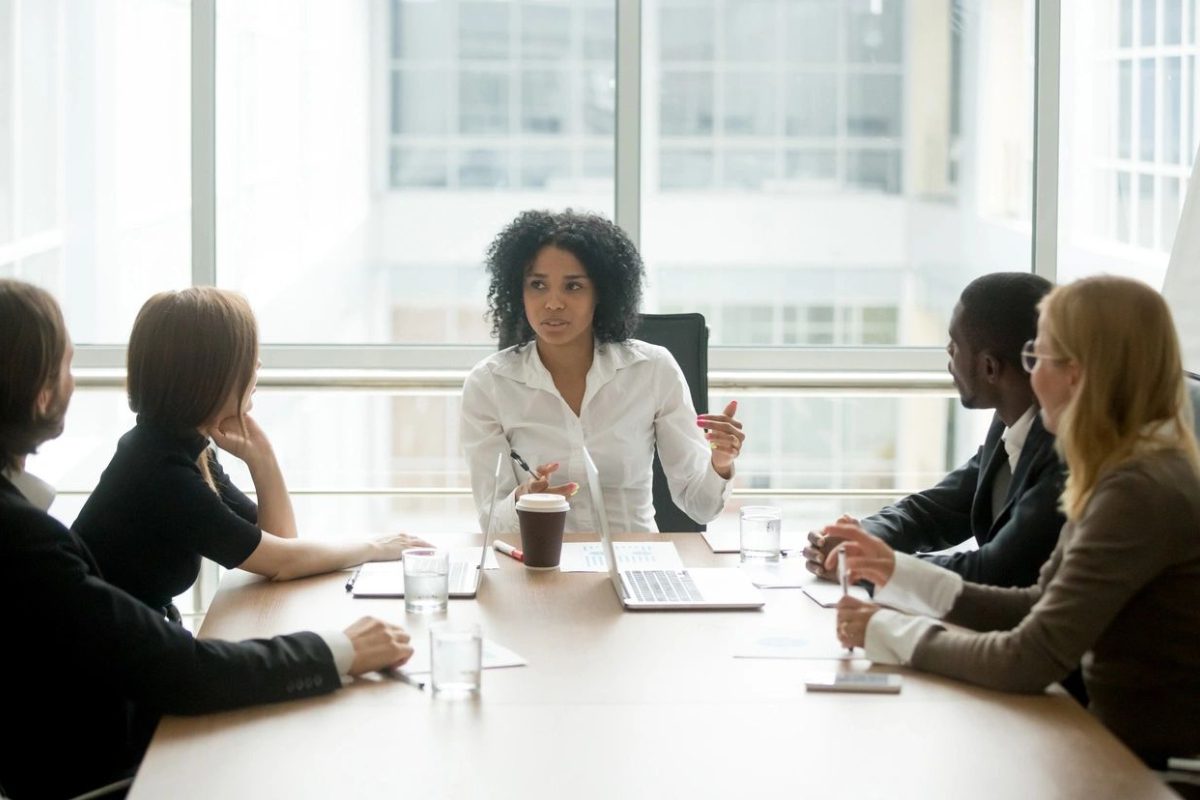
(636, 397)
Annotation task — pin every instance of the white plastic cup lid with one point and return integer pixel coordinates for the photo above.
(543, 502)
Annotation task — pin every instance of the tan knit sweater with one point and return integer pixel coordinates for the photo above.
(1121, 591)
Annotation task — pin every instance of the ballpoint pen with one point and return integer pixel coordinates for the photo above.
(515, 456)
(508, 550)
(404, 677)
(353, 577)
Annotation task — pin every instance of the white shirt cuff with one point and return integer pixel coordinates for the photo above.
(342, 648)
(920, 587)
(892, 637)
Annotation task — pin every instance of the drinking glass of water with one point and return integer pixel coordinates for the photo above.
(456, 656)
(760, 528)
(426, 580)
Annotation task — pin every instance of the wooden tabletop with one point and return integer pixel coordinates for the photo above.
(621, 704)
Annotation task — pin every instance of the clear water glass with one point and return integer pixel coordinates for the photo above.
(456, 659)
(426, 580)
(760, 528)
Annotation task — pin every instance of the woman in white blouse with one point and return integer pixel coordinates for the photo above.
(566, 287)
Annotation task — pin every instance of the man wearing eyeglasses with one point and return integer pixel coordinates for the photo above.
(1006, 496)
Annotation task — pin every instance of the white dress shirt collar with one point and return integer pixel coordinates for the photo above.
(525, 366)
(1014, 437)
(36, 490)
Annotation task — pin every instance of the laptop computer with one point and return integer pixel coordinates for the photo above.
(639, 589)
(386, 578)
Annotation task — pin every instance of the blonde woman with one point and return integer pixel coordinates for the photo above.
(1121, 591)
(164, 502)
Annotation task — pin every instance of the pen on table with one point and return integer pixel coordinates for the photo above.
(353, 577)
(508, 550)
(404, 677)
(844, 579)
(515, 456)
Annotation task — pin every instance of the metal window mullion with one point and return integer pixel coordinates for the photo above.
(627, 202)
(204, 142)
(1047, 66)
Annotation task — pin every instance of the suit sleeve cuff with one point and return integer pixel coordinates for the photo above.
(342, 648)
(920, 587)
(892, 637)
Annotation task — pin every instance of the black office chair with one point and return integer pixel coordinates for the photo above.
(686, 336)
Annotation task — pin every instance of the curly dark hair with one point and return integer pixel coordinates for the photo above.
(611, 261)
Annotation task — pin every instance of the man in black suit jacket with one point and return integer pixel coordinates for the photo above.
(1006, 496)
(87, 669)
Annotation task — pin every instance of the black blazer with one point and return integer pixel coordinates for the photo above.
(87, 669)
(1013, 547)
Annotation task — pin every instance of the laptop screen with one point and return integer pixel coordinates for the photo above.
(600, 516)
(487, 529)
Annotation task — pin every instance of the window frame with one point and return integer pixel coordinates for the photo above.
(893, 368)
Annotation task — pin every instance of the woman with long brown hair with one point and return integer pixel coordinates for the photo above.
(1121, 591)
(164, 501)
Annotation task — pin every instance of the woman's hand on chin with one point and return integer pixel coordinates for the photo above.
(242, 437)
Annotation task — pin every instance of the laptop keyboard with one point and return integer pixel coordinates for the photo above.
(662, 585)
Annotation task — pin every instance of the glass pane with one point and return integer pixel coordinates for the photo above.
(420, 101)
(1172, 21)
(686, 169)
(1124, 113)
(811, 105)
(816, 191)
(483, 29)
(873, 105)
(874, 169)
(1146, 119)
(750, 104)
(874, 31)
(1148, 22)
(545, 30)
(8, 128)
(749, 169)
(1170, 212)
(353, 215)
(95, 132)
(1120, 218)
(685, 30)
(545, 169)
(417, 166)
(687, 103)
(544, 101)
(750, 30)
(600, 33)
(808, 24)
(482, 103)
(418, 28)
(1172, 94)
(810, 165)
(1146, 227)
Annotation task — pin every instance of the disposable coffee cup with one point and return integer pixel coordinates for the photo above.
(542, 518)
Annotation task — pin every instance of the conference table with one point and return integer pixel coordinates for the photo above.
(621, 704)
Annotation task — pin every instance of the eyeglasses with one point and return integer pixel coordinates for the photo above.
(1030, 356)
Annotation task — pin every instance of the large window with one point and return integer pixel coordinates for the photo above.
(812, 175)
(1128, 133)
(833, 172)
(95, 154)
